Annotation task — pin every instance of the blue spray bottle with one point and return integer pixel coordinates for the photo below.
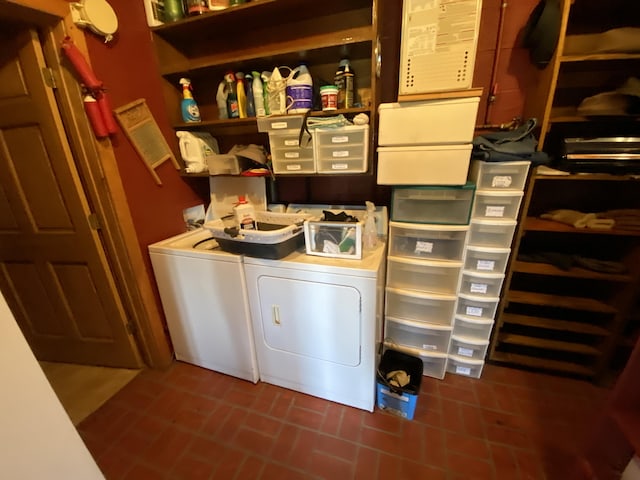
(189, 107)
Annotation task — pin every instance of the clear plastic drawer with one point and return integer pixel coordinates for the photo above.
(492, 205)
(420, 307)
(486, 259)
(464, 366)
(423, 336)
(478, 307)
(429, 242)
(342, 150)
(432, 204)
(491, 233)
(481, 284)
(468, 347)
(423, 275)
(499, 175)
(288, 156)
(434, 364)
(472, 327)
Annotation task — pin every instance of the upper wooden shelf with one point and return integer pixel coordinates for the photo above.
(539, 225)
(569, 114)
(546, 364)
(599, 57)
(589, 176)
(551, 270)
(561, 301)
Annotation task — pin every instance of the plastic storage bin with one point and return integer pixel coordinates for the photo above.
(432, 338)
(400, 401)
(279, 123)
(432, 204)
(333, 239)
(428, 242)
(464, 366)
(491, 205)
(491, 233)
(288, 156)
(499, 175)
(423, 275)
(468, 347)
(342, 150)
(479, 307)
(472, 327)
(426, 165)
(486, 259)
(420, 307)
(434, 364)
(481, 284)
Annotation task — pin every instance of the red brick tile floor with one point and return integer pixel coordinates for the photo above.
(191, 423)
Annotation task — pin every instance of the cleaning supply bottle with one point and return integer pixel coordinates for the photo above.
(345, 81)
(251, 107)
(189, 107)
(276, 92)
(244, 213)
(299, 90)
(232, 96)
(242, 95)
(221, 100)
(265, 94)
(258, 95)
(370, 232)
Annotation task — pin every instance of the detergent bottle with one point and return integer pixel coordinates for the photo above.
(276, 93)
(251, 107)
(221, 100)
(299, 90)
(258, 94)
(233, 110)
(245, 214)
(345, 81)
(265, 94)
(242, 95)
(189, 107)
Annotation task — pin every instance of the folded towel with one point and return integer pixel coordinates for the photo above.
(601, 223)
(569, 217)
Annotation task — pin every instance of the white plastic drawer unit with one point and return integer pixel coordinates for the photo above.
(434, 364)
(280, 123)
(491, 233)
(288, 155)
(499, 175)
(472, 327)
(428, 242)
(423, 275)
(342, 150)
(431, 338)
(420, 307)
(432, 204)
(464, 366)
(491, 205)
(478, 307)
(468, 347)
(486, 259)
(481, 284)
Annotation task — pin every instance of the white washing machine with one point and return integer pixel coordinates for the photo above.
(317, 323)
(205, 302)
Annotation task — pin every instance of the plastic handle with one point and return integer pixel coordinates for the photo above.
(275, 313)
(377, 52)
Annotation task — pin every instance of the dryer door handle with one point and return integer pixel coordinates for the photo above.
(275, 314)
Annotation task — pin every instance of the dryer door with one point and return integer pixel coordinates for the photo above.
(311, 319)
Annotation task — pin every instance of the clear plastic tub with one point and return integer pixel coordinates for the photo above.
(288, 156)
(492, 205)
(499, 175)
(341, 150)
(478, 307)
(481, 284)
(486, 259)
(491, 233)
(431, 338)
(428, 242)
(464, 366)
(420, 307)
(472, 327)
(279, 123)
(434, 364)
(423, 275)
(468, 347)
(432, 204)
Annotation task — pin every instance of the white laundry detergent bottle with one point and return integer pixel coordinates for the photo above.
(245, 213)
(195, 149)
(299, 90)
(276, 92)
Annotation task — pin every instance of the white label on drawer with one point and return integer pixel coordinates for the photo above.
(486, 265)
(291, 154)
(465, 352)
(494, 211)
(294, 167)
(429, 347)
(292, 143)
(341, 153)
(341, 139)
(474, 311)
(501, 181)
(479, 288)
(278, 125)
(339, 166)
(424, 247)
(463, 370)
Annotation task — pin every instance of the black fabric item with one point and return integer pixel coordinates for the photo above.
(338, 217)
(564, 261)
(542, 31)
(517, 144)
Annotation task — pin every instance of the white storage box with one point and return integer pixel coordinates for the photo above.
(432, 204)
(499, 175)
(428, 122)
(464, 366)
(481, 284)
(430, 165)
(472, 327)
(333, 239)
(359, 211)
(224, 164)
(432, 338)
(288, 156)
(420, 307)
(486, 259)
(492, 204)
(423, 275)
(428, 242)
(478, 307)
(434, 364)
(341, 150)
(279, 123)
(468, 347)
(491, 233)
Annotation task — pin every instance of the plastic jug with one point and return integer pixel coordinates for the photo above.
(195, 148)
(275, 87)
(299, 90)
(258, 95)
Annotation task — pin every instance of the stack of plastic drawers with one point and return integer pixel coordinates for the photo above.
(499, 192)
(427, 238)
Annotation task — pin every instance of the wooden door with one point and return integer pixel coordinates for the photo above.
(53, 270)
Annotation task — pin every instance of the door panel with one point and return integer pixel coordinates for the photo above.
(53, 269)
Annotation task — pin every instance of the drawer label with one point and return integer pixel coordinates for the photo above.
(341, 139)
(465, 352)
(291, 154)
(340, 153)
(463, 370)
(429, 347)
(474, 311)
(278, 125)
(294, 167)
(339, 166)
(424, 247)
(479, 287)
(501, 181)
(494, 211)
(485, 265)
(292, 143)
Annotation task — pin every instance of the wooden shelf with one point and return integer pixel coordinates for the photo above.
(547, 344)
(591, 177)
(554, 324)
(551, 270)
(542, 363)
(570, 115)
(534, 224)
(598, 57)
(562, 301)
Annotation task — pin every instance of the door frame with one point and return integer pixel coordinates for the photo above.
(101, 179)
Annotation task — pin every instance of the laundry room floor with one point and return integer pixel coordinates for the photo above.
(191, 423)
